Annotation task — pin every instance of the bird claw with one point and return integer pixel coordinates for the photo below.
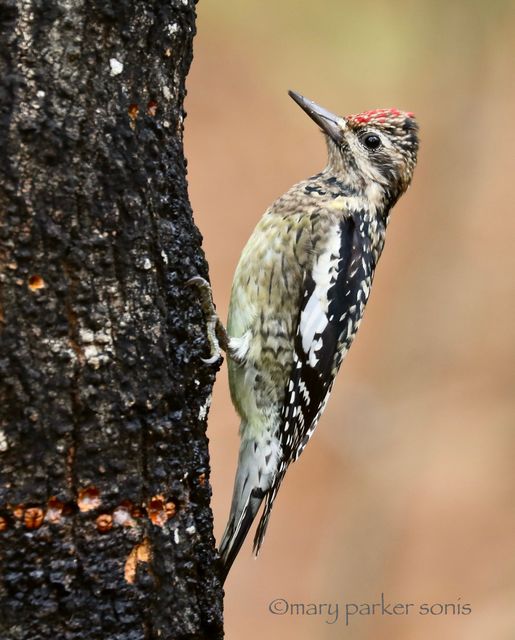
(198, 281)
(214, 324)
(213, 359)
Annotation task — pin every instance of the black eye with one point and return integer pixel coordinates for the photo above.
(371, 141)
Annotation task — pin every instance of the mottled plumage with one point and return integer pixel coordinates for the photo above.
(298, 297)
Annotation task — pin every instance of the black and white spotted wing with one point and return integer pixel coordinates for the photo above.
(333, 299)
(330, 313)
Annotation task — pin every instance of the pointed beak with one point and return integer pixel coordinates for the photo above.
(327, 121)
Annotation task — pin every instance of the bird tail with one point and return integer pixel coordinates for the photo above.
(256, 467)
(263, 522)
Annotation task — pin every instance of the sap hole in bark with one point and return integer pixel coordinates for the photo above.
(104, 523)
(133, 111)
(18, 511)
(89, 499)
(33, 517)
(54, 511)
(36, 282)
(170, 509)
(152, 108)
(159, 511)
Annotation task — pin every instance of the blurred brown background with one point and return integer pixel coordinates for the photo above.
(408, 486)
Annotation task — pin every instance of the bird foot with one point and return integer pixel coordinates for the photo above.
(216, 332)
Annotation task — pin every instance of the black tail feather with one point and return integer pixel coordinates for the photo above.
(265, 517)
(236, 532)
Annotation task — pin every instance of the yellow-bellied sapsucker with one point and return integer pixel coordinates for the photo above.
(298, 297)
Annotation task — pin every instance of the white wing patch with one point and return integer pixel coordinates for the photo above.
(313, 319)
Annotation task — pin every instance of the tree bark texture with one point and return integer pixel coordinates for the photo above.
(105, 523)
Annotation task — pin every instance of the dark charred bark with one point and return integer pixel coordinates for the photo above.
(105, 523)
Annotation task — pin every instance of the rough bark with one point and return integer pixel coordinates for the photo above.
(105, 523)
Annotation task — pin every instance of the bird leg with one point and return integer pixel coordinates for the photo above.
(216, 332)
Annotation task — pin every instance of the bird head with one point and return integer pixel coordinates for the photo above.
(371, 150)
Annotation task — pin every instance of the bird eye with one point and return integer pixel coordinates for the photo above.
(371, 141)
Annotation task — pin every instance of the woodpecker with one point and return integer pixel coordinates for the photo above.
(298, 297)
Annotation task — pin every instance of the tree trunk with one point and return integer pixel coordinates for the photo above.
(105, 523)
